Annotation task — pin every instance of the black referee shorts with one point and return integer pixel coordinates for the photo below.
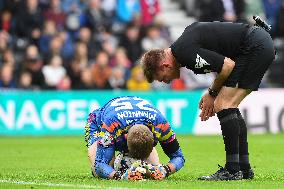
(256, 54)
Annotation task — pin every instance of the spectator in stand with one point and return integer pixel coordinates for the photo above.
(121, 61)
(240, 8)
(6, 22)
(149, 9)
(7, 80)
(55, 48)
(137, 81)
(117, 78)
(81, 54)
(67, 49)
(153, 39)
(108, 8)
(4, 41)
(56, 14)
(44, 5)
(108, 41)
(25, 81)
(221, 10)
(164, 29)
(101, 71)
(94, 16)
(74, 70)
(229, 14)
(137, 21)
(233, 10)
(209, 10)
(8, 57)
(33, 64)
(131, 43)
(85, 36)
(29, 21)
(32, 52)
(49, 31)
(75, 19)
(53, 43)
(126, 9)
(54, 72)
(87, 81)
(271, 8)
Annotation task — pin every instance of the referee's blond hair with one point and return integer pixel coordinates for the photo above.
(150, 62)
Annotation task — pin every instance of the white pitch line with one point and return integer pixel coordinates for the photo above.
(58, 185)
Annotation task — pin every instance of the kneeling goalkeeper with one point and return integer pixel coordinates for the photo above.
(131, 125)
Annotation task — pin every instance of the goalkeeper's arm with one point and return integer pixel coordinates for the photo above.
(101, 166)
(173, 151)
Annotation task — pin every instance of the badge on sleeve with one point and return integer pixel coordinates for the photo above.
(200, 62)
(107, 139)
(201, 65)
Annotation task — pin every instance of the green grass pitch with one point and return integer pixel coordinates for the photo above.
(61, 162)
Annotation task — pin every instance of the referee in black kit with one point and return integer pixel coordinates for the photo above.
(240, 55)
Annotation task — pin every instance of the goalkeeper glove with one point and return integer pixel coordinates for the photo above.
(158, 172)
(135, 172)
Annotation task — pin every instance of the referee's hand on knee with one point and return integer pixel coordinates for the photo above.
(206, 105)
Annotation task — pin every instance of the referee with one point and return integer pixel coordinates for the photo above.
(240, 55)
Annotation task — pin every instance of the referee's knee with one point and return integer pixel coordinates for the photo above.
(221, 104)
(217, 106)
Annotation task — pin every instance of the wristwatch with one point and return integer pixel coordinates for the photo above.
(212, 92)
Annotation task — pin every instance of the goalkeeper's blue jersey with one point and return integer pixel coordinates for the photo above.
(109, 125)
(112, 121)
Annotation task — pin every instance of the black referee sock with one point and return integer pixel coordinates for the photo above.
(243, 143)
(230, 130)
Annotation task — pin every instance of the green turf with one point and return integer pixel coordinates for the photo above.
(63, 161)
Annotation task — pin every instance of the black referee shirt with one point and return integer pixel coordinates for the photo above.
(203, 46)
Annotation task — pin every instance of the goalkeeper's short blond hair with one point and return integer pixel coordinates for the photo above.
(140, 141)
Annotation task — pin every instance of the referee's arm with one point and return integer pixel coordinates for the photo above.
(227, 68)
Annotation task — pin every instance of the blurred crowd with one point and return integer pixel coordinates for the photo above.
(77, 44)
(238, 11)
(96, 44)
